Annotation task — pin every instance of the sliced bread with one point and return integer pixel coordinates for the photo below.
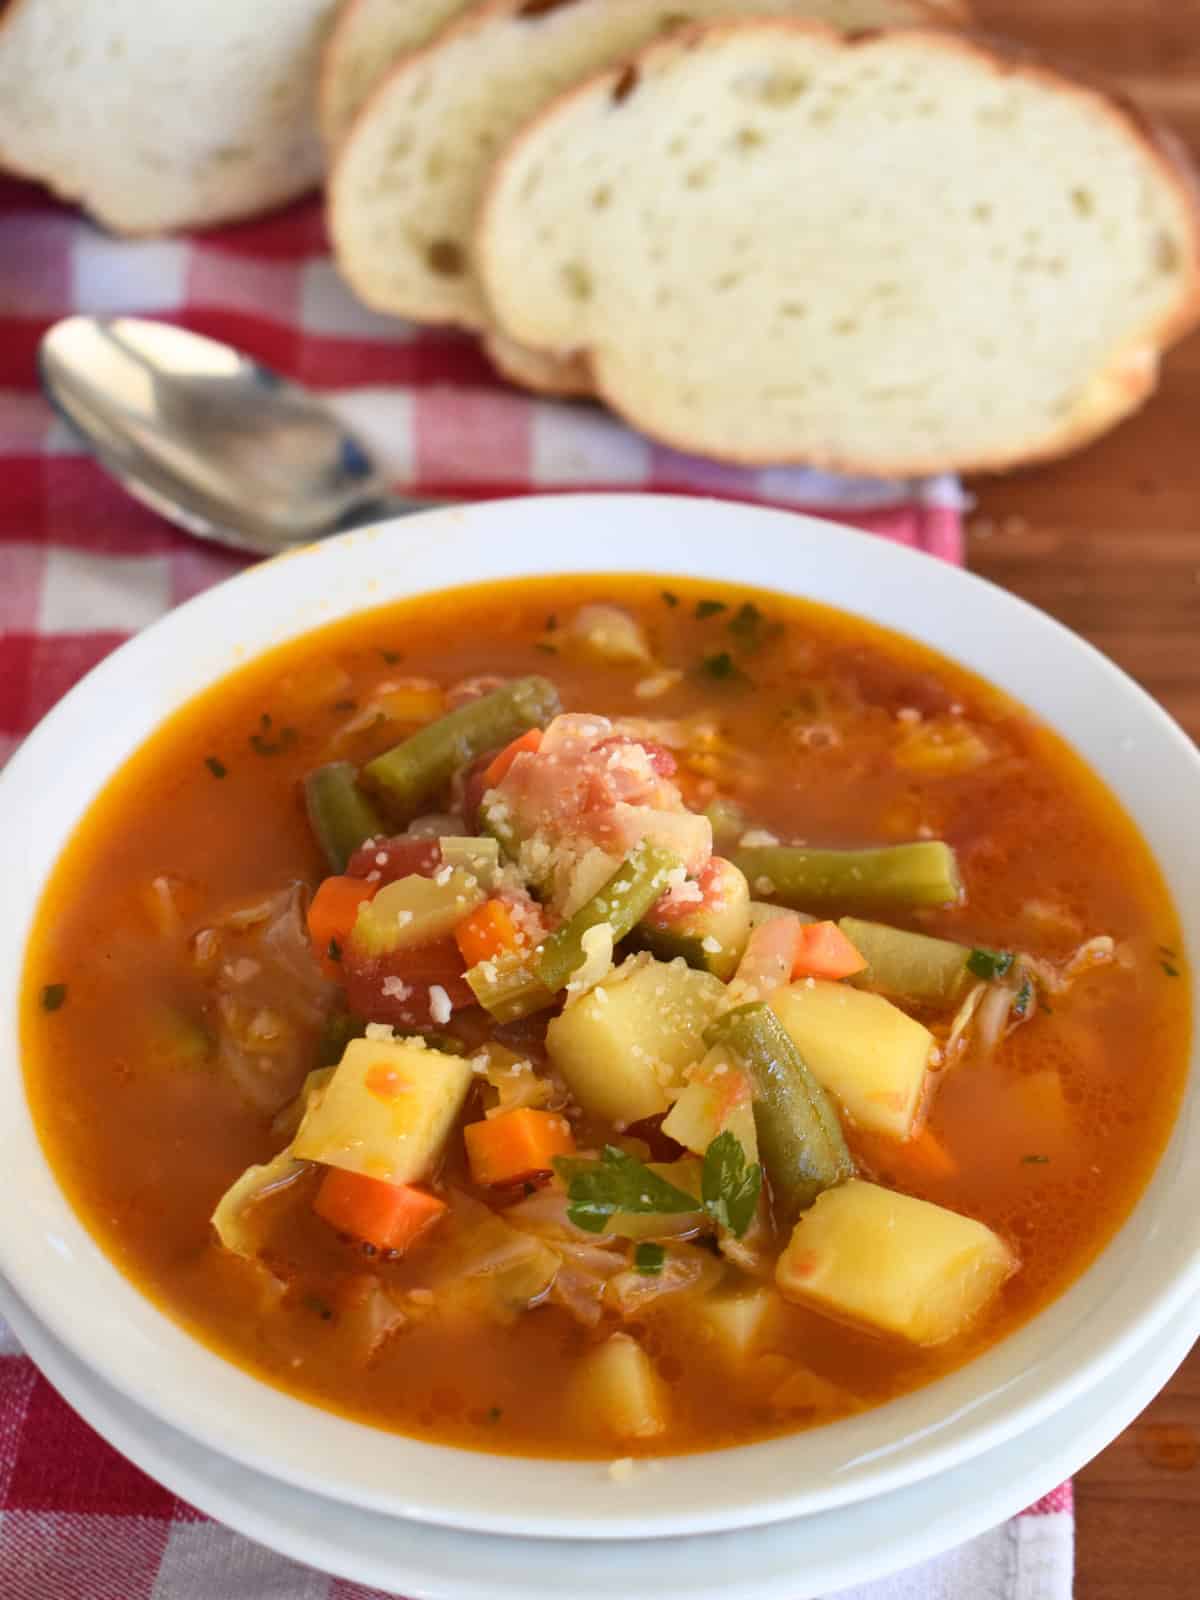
(563, 375)
(407, 178)
(895, 253)
(168, 116)
(367, 39)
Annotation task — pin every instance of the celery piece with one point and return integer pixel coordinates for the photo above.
(480, 856)
(900, 875)
(624, 900)
(415, 770)
(509, 987)
(799, 1136)
(341, 816)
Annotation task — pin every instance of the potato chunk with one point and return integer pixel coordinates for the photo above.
(624, 1043)
(718, 1100)
(871, 1256)
(387, 1110)
(738, 1323)
(860, 1047)
(617, 1391)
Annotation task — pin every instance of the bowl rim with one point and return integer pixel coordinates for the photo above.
(1069, 1346)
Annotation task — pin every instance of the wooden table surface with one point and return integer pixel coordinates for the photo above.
(1109, 542)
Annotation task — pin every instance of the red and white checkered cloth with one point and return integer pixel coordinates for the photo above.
(82, 567)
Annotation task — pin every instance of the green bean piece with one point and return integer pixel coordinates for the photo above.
(623, 901)
(509, 987)
(415, 770)
(909, 966)
(341, 816)
(800, 1139)
(898, 876)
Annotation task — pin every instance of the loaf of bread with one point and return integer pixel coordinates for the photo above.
(897, 253)
(407, 178)
(367, 39)
(167, 116)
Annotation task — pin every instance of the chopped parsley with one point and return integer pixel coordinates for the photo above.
(334, 950)
(546, 647)
(1035, 1161)
(668, 598)
(750, 628)
(345, 705)
(390, 656)
(1023, 998)
(494, 1413)
(648, 1259)
(53, 996)
(1171, 972)
(320, 1308)
(709, 608)
(618, 1182)
(263, 745)
(217, 768)
(551, 623)
(722, 667)
(990, 963)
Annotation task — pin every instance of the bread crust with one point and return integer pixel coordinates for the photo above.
(1114, 392)
(566, 377)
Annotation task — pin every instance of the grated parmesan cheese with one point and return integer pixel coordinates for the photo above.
(440, 1008)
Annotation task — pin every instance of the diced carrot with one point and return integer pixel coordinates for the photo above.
(391, 1216)
(331, 915)
(769, 959)
(527, 741)
(516, 1145)
(823, 951)
(488, 932)
(927, 1155)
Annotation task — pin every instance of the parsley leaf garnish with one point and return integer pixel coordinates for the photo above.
(598, 1190)
(728, 1187)
(617, 1182)
(648, 1259)
(990, 963)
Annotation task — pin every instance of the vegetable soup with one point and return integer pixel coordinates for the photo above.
(607, 1016)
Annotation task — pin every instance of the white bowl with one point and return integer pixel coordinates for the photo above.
(1149, 1272)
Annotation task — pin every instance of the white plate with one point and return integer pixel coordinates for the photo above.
(1144, 1277)
(793, 1560)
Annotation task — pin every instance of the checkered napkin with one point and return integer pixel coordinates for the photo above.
(82, 567)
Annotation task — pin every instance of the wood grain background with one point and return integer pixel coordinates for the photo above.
(1109, 542)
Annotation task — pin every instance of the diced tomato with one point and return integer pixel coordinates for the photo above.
(823, 951)
(675, 905)
(659, 757)
(395, 988)
(404, 856)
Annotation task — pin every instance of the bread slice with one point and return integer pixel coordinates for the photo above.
(407, 178)
(895, 253)
(163, 116)
(367, 39)
(538, 370)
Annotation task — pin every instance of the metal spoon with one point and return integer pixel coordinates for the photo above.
(209, 438)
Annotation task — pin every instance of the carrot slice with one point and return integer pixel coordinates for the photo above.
(927, 1155)
(516, 1144)
(530, 740)
(488, 932)
(331, 916)
(823, 951)
(391, 1216)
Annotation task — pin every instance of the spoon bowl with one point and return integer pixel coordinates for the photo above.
(210, 438)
